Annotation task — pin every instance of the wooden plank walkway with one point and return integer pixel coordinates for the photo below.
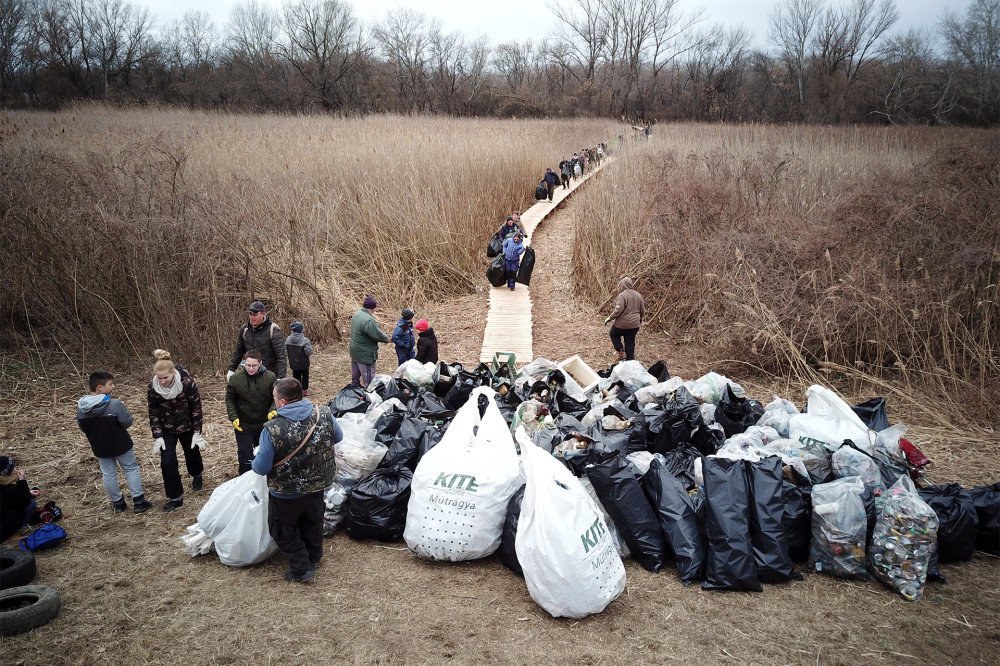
(509, 322)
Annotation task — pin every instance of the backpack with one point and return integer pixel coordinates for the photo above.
(47, 514)
(48, 535)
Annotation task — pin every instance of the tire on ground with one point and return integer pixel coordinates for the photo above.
(17, 567)
(27, 607)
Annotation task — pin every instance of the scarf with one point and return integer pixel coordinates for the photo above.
(172, 391)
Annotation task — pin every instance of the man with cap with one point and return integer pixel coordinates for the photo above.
(509, 228)
(402, 337)
(365, 336)
(262, 334)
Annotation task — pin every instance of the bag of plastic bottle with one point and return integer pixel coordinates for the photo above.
(904, 540)
(839, 528)
(571, 567)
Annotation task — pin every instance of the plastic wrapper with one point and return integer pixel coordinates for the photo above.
(887, 443)
(335, 499)
(904, 540)
(839, 528)
(357, 455)
(847, 461)
(532, 415)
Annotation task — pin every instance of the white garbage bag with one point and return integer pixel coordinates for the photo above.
(570, 563)
(829, 421)
(417, 373)
(234, 520)
(461, 487)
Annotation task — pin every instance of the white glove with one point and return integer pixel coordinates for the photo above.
(159, 445)
(229, 375)
(199, 441)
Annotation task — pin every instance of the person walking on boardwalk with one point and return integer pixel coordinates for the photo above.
(403, 338)
(509, 228)
(551, 180)
(513, 248)
(565, 172)
(365, 336)
(264, 335)
(625, 320)
(175, 417)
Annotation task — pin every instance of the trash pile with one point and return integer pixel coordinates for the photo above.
(564, 482)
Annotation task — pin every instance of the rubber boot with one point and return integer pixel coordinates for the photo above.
(140, 504)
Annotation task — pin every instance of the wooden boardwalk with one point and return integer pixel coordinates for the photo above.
(509, 322)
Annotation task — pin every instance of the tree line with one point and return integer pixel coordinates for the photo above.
(825, 61)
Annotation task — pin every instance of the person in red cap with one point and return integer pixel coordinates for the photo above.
(427, 343)
(365, 336)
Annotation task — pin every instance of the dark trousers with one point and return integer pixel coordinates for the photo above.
(549, 188)
(404, 355)
(303, 377)
(617, 334)
(172, 485)
(296, 525)
(565, 179)
(245, 443)
(512, 266)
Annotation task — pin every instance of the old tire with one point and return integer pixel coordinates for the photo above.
(27, 607)
(17, 567)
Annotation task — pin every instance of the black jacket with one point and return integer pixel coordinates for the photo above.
(15, 498)
(268, 340)
(105, 421)
(427, 347)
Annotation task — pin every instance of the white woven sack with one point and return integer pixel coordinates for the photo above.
(570, 563)
(234, 520)
(461, 487)
(829, 421)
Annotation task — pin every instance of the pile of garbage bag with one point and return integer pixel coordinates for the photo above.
(461, 463)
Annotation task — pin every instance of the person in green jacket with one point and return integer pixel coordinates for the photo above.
(249, 400)
(365, 336)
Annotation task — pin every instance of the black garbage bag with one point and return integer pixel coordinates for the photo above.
(507, 409)
(428, 440)
(405, 446)
(797, 519)
(629, 440)
(402, 389)
(527, 265)
(708, 440)
(678, 519)
(428, 406)
(872, 413)
(541, 192)
(767, 521)
(387, 426)
(351, 399)
(494, 247)
(957, 523)
(735, 414)
(614, 480)
(567, 404)
(729, 563)
(444, 378)
(509, 535)
(377, 509)
(680, 463)
(465, 381)
(496, 273)
(675, 422)
(659, 370)
(987, 502)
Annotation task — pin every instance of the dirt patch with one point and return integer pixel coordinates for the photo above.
(131, 595)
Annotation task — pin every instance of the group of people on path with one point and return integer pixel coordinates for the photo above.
(569, 168)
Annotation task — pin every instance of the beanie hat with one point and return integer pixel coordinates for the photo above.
(298, 327)
(6, 465)
(422, 325)
(369, 303)
(407, 314)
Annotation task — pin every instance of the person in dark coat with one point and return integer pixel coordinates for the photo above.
(565, 172)
(299, 348)
(513, 248)
(402, 336)
(551, 180)
(262, 334)
(17, 501)
(509, 228)
(427, 344)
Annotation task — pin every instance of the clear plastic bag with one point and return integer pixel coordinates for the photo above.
(710, 387)
(633, 374)
(357, 454)
(848, 461)
(838, 528)
(416, 372)
(905, 538)
(657, 393)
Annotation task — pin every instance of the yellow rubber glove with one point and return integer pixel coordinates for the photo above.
(236, 424)
(271, 415)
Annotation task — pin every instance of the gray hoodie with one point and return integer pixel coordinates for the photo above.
(105, 421)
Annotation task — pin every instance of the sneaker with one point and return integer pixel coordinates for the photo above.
(120, 506)
(305, 393)
(196, 483)
(140, 504)
(173, 504)
(302, 578)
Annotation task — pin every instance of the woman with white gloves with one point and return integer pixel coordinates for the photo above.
(175, 416)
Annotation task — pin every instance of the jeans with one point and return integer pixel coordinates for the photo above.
(172, 485)
(629, 335)
(245, 443)
(511, 266)
(296, 525)
(404, 355)
(303, 377)
(362, 373)
(129, 465)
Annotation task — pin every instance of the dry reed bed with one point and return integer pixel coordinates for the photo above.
(131, 229)
(868, 258)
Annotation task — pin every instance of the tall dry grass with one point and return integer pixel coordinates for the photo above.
(836, 254)
(125, 230)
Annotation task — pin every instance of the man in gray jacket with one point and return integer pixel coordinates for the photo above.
(625, 319)
(262, 334)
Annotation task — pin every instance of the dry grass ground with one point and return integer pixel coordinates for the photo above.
(131, 595)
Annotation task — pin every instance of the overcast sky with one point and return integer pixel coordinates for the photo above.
(522, 19)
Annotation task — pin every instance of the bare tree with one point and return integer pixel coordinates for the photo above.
(191, 48)
(405, 38)
(14, 22)
(975, 43)
(793, 23)
(252, 42)
(118, 37)
(582, 36)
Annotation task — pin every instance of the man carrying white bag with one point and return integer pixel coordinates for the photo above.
(570, 563)
(461, 487)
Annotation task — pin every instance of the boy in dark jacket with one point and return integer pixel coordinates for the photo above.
(402, 337)
(299, 349)
(427, 345)
(17, 500)
(105, 421)
(248, 403)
